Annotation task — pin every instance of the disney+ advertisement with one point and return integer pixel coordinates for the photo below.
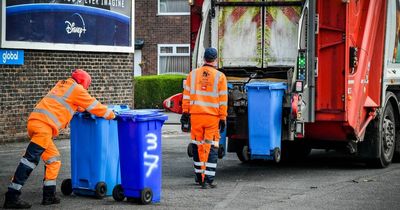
(90, 22)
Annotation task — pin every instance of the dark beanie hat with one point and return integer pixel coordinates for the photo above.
(210, 54)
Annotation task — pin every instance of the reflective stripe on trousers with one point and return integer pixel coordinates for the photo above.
(196, 162)
(26, 165)
(211, 164)
(49, 183)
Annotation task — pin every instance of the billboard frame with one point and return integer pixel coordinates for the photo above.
(65, 47)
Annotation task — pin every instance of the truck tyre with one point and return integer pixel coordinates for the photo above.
(382, 131)
(243, 154)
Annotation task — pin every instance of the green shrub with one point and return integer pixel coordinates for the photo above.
(151, 91)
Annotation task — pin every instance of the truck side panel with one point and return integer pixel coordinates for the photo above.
(331, 60)
(347, 94)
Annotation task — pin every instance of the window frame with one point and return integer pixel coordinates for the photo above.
(174, 53)
(159, 13)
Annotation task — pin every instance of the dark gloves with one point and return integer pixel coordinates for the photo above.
(185, 122)
(222, 125)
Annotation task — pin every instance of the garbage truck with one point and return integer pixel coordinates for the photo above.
(339, 60)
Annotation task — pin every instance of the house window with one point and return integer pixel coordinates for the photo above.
(173, 7)
(173, 58)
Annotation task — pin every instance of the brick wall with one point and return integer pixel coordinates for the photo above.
(158, 29)
(21, 87)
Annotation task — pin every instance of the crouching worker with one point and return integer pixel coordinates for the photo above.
(52, 113)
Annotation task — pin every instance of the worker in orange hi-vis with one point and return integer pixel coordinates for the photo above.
(52, 113)
(204, 104)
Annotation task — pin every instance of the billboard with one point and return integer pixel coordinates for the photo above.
(81, 25)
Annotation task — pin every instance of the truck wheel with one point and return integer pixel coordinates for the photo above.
(146, 196)
(190, 150)
(66, 187)
(385, 136)
(101, 190)
(243, 154)
(118, 193)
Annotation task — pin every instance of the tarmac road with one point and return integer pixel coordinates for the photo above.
(323, 181)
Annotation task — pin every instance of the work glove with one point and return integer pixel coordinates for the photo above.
(222, 125)
(80, 109)
(115, 115)
(185, 122)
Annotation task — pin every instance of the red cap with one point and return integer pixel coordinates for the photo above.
(82, 77)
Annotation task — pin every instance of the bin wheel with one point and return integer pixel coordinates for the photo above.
(101, 190)
(243, 154)
(190, 150)
(66, 187)
(277, 155)
(221, 152)
(146, 196)
(118, 193)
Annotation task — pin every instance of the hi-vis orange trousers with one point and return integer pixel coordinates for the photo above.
(41, 145)
(205, 140)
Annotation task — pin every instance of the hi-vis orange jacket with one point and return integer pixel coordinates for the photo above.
(205, 92)
(59, 105)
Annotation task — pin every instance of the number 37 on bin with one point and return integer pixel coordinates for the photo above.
(151, 160)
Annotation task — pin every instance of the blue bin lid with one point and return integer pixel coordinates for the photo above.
(142, 115)
(118, 108)
(115, 108)
(267, 85)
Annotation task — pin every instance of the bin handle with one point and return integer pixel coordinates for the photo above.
(124, 106)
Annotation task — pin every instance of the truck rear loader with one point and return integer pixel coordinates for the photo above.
(339, 59)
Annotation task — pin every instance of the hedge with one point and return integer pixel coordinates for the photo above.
(151, 91)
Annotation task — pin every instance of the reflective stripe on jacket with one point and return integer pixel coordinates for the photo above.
(59, 105)
(205, 92)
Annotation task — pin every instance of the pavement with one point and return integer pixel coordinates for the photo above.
(325, 180)
(172, 125)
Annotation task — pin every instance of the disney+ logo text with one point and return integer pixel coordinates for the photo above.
(74, 28)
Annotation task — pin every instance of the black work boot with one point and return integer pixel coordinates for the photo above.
(212, 185)
(13, 201)
(49, 195)
(203, 184)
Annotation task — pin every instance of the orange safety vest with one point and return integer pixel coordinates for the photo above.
(59, 105)
(206, 92)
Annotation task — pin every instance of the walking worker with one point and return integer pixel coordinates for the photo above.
(52, 113)
(204, 104)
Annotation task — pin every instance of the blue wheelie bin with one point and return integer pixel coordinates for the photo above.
(139, 135)
(95, 165)
(265, 119)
